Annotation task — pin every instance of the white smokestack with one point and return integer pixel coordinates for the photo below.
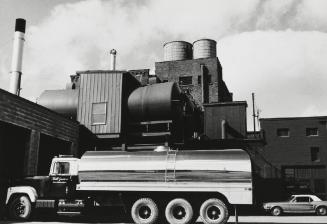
(113, 53)
(17, 56)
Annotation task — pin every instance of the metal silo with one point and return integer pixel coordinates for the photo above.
(204, 48)
(177, 50)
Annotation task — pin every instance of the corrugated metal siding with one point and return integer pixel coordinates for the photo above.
(24, 113)
(97, 87)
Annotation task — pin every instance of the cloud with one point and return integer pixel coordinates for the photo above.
(275, 48)
(284, 68)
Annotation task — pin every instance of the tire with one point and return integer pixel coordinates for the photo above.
(20, 208)
(214, 211)
(179, 211)
(145, 211)
(276, 211)
(321, 210)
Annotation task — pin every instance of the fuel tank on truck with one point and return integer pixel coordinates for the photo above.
(155, 102)
(198, 166)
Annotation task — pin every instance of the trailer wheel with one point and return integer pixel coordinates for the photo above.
(144, 211)
(20, 208)
(179, 211)
(214, 211)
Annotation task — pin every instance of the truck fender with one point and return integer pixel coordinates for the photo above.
(30, 191)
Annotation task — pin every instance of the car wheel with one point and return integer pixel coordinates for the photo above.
(214, 211)
(321, 210)
(20, 208)
(276, 211)
(145, 211)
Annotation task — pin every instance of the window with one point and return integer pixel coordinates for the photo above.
(99, 113)
(200, 79)
(61, 168)
(185, 80)
(283, 132)
(311, 132)
(319, 186)
(303, 199)
(315, 154)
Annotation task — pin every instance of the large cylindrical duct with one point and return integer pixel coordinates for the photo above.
(155, 102)
(204, 48)
(17, 56)
(61, 101)
(177, 50)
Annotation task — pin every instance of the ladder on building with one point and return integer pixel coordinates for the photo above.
(170, 172)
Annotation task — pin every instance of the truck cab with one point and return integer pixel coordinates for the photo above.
(44, 191)
(63, 177)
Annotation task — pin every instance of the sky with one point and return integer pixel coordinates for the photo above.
(274, 48)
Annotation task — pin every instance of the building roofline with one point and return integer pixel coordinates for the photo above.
(225, 103)
(293, 118)
(100, 71)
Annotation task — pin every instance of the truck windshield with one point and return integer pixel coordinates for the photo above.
(61, 168)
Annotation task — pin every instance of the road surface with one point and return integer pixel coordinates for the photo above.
(242, 219)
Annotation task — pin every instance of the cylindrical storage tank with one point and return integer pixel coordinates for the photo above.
(61, 101)
(177, 50)
(204, 48)
(155, 102)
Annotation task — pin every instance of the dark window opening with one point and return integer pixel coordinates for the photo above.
(283, 132)
(319, 186)
(315, 154)
(311, 132)
(303, 199)
(200, 79)
(185, 80)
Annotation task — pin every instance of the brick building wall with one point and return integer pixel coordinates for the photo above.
(298, 147)
(188, 74)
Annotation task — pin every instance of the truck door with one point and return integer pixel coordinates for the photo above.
(62, 183)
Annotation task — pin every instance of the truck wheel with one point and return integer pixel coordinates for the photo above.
(179, 211)
(145, 211)
(214, 211)
(20, 208)
(276, 211)
(321, 210)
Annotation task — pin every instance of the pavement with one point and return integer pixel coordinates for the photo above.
(242, 219)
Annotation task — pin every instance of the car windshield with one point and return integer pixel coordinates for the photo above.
(290, 198)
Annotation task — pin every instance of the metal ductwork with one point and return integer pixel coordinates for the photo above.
(155, 102)
(61, 101)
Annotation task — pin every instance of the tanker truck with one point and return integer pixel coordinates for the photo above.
(176, 186)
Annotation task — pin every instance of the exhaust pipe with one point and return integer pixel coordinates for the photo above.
(113, 53)
(17, 56)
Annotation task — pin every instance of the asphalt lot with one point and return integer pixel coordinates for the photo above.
(242, 219)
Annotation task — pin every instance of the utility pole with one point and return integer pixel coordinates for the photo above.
(253, 114)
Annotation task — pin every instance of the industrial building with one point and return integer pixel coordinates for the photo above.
(185, 105)
(297, 146)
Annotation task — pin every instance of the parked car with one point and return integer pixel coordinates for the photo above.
(298, 204)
